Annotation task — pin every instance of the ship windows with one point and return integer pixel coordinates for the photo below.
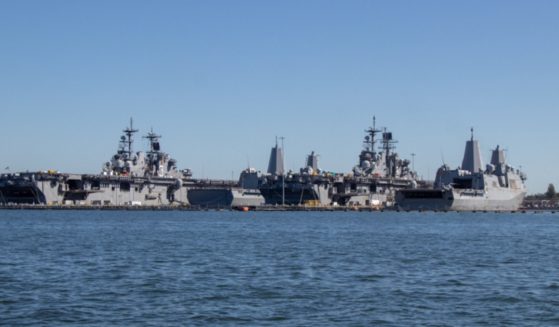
(95, 185)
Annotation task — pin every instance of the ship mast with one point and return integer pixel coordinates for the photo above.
(370, 141)
(153, 139)
(129, 132)
(388, 143)
(282, 172)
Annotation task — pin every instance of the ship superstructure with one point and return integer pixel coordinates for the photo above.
(383, 162)
(379, 173)
(471, 187)
(309, 186)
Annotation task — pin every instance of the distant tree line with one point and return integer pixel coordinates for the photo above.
(550, 194)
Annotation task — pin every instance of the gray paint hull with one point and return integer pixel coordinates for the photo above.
(67, 189)
(216, 197)
(461, 200)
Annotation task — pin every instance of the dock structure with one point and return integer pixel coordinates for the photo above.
(263, 208)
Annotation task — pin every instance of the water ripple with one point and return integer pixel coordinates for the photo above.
(292, 269)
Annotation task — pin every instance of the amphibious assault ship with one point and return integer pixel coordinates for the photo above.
(499, 187)
(129, 178)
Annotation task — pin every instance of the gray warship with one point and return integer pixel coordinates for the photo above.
(217, 194)
(373, 182)
(309, 186)
(129, 178)
(498, 187)
(379, 174)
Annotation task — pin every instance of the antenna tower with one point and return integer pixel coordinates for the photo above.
(129, 132)
(370, 138)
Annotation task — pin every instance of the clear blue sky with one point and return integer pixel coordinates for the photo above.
(220, 79)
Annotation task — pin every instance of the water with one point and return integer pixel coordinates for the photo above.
(103, 268)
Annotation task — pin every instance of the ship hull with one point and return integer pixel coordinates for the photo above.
(216, 198)
(277, 197)
(210, 198)
(96, 190)
(460, 200)
(21, 194)
(296, 194)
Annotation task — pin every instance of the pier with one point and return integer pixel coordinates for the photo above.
(264, 208)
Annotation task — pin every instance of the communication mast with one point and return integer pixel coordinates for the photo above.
(370, 139)
(129, 133)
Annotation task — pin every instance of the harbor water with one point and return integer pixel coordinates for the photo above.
(151, 268)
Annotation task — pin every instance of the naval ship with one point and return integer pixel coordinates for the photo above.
(379, 174)
(373, 182)
(498, 187)
(309, 186)
(217, 194)
(128, 178)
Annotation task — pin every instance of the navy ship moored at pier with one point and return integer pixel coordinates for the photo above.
(498, 187)
(129, 178)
